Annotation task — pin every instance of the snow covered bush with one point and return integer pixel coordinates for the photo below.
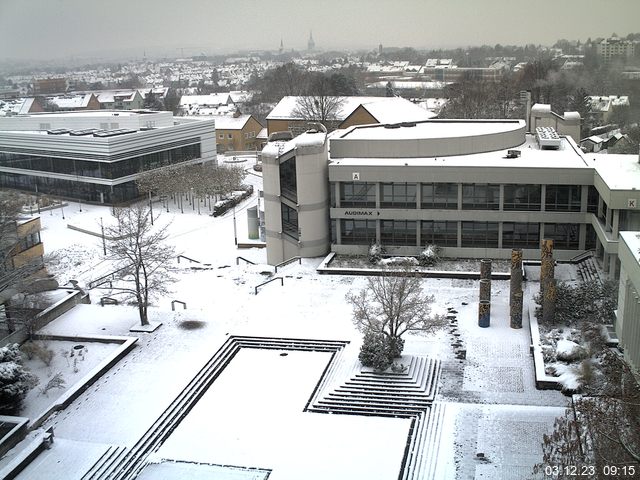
(379, 350)
(399, 262)
(429, 256)
(376, 251)
(15, 379)
(593, 301)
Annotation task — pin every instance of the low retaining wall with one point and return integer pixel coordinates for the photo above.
(47, 315)
(127, 343)
(543, 381)
(324, 268)
(15, 435)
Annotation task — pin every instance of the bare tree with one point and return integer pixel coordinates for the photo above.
(146, 258)
(320, 103)
(393, 304)
(599, 430)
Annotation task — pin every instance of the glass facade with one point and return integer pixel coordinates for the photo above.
(522, 197)
(398, 232)
(358, 232)
(398, 195)
(565, 236)
(441, 233)
(439, 195)
(472, 234)
(480, 234)
(289, 221)
(520, 235)
(288, 180)
(480, 196)
(89, 168)
(563, 198)
(358, 194)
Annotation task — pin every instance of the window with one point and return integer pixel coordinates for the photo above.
(221, 136)
(358, 194)
(439, 195)
(563, 198)
(288, 180)
(564, 235)
(591, 239)
(358, 232)
(230, 136)
(520, 235)
(592, 199)
(289, 221)
(246, 135)
(332, 194)
(441, 233)
(480, 234)
(398, 232)
(398, 195)
(522, 197)
(480, 196)
(29, 241)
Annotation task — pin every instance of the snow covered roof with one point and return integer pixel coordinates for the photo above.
(619, 172)
(18, 106)
(71, 101)
(604, 103)
(396, 109)
(229, 122)
(211, 100)
(384, 109)
(109, 96)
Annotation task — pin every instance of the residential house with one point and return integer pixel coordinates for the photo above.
(237, 132)
(351, 111)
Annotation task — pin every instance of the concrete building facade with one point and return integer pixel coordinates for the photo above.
(475, 188)
(628, 313)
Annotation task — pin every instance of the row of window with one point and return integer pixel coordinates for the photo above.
(473, 234)
(247, 135)
(88, 168)
(476, 196)
(90, 192)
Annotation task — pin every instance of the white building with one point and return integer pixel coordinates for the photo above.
(475, 188)
(97, 155)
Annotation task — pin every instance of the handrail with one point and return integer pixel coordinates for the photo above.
(108, 301)
(255, 289)
(286, 262)
(242, 258)
(187, 258)
(98, 281)
(173, 304)
(582, 256)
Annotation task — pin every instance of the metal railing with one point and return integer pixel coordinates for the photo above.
(173, 304)
(255, 289)
(287, 262)
(242, 258)
(187, 258)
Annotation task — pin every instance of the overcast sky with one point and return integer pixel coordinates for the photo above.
(34, 29)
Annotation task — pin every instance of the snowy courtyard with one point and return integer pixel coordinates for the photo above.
(251, 422)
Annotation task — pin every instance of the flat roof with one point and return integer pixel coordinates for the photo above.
(619, 172)
(430, 129)
(531, 156)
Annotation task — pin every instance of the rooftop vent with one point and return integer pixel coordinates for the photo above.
(58, 131)
(86, 131)
(113, 133)
(513, 153)
(548, 138)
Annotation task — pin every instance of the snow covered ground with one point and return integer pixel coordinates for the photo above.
(253, 416)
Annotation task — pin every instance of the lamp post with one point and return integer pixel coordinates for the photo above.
(104, 245)
(235, 230)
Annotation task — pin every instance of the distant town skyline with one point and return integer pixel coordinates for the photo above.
(57, 29)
